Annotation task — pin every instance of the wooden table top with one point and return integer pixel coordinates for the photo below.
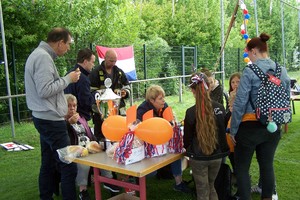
(138, 169)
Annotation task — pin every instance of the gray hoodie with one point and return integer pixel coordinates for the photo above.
(43, 85)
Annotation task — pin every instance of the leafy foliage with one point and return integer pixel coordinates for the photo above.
(160, 25)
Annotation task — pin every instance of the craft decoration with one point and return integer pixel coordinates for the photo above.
(123, 151)
(244, 29)
(153, 130)
(175, 144)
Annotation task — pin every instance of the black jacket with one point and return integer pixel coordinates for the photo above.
(190, 136)
(81, 90)
(145, 107)
(119, 80)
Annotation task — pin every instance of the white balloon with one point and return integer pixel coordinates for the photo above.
(243, 6)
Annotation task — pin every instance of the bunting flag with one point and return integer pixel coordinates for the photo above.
(125, 59)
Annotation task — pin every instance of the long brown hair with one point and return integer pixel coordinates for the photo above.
(206, 128)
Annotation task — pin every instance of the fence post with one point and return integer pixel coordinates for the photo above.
(131, 95)
(180, 89)
(183, 62)
(13, 63)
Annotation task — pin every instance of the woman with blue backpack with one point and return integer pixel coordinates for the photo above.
(250, 131)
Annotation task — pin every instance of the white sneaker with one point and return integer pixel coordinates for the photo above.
(275, 196)
(256, 189)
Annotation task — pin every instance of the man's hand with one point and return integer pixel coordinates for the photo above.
(75, 75)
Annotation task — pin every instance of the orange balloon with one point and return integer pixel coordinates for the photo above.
(114, 127)
(154, 131)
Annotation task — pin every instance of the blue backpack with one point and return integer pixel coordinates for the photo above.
(273, 101)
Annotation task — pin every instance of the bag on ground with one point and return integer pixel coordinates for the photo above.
(223, 182)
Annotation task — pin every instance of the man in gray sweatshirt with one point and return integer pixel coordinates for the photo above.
(45, 98)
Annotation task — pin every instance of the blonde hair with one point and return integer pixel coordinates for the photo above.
(153, 92)
(70, 97)
(206, 128)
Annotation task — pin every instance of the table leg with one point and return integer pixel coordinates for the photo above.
(97, 184)
(293, 107)
(142, 184)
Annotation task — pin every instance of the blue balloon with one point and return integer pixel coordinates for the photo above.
(245, 55)
(247, 16)
(246, 36)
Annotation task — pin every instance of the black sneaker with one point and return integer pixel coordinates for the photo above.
(84, 195)
(111, 187)
(182, 187)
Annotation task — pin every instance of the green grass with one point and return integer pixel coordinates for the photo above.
(19, 170)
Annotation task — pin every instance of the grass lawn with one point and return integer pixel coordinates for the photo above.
(19, 170)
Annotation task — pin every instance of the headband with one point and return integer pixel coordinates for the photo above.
(198, 79)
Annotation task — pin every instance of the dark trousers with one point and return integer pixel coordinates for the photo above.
(254, 137)
(53, 136)
(98, 121)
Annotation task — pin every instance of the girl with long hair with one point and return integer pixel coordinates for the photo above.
(204, 137)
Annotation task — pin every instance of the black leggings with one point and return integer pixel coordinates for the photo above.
(254, 137)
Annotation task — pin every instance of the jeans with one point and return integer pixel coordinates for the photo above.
(251, 137)
(176, 168)
(205, 173)
(82, 174)
(53, 136)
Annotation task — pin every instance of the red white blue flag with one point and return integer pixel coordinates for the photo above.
(125, 59)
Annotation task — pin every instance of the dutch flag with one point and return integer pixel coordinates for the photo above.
(125, 59)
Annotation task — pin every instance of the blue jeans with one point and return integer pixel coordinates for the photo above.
(176, 169)
(53, 136)
(254, 137)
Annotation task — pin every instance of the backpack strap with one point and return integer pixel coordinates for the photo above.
(260, 74)
(278, 70)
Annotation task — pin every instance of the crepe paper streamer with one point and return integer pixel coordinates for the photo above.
(123, 151)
